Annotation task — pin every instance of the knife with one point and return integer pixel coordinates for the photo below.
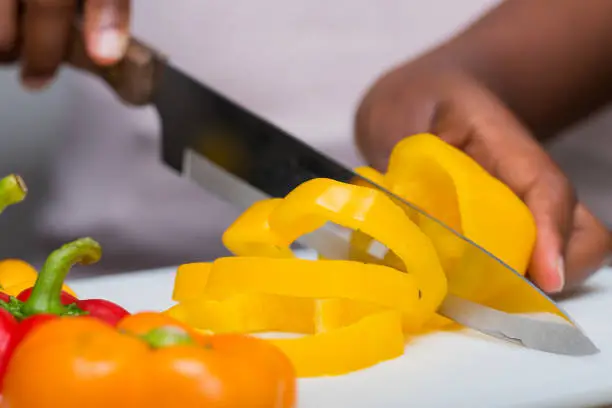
(243, 158)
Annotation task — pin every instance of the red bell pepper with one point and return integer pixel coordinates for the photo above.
(8, 327)
(47, 297)
(65, 297)
(103, 309)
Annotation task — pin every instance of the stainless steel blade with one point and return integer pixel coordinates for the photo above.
(551, 336)
(243, 158)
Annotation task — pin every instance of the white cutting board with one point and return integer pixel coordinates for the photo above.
(443, 370)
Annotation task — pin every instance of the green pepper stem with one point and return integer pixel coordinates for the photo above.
(167, 336)
(45, 296)
(12, 191)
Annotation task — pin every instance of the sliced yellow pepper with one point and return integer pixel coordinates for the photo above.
(348, 300)
(245, 313)
(320, 201)
(375, 338)
(322, 279)
(357, 312)
(248, 313)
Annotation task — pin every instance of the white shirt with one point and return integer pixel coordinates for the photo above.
(303, 64)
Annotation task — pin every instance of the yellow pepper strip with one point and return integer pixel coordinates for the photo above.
(446, 246)
(251, 232)
(190, 281)
(322, 279)
(318, 201)
(375, 338)
(248, 313)
(358, 251)
(243, 313)
(371, 174)
(17, 275)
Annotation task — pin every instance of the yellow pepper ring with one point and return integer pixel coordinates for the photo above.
(248, 313)
(322, 279)
(375, 338)
(318, 201)
(250, 234)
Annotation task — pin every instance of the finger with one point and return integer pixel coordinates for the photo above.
(107, 29)
(505, 149)
(378, 127)
(588, 249)
(8, 24)
(46, 31)
(552, 203)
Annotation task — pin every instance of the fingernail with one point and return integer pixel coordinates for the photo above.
(110, 45)
(557, 281)
(36, 83)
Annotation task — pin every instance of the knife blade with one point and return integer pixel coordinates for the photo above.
(243, 158)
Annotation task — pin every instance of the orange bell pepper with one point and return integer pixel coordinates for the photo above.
(150, 361)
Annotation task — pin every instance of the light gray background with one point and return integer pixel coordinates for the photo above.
(303, 64)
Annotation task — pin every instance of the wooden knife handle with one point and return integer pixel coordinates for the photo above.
(134, 78)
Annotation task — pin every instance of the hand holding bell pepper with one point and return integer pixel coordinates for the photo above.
(150, 361)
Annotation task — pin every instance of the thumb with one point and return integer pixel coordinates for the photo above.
(552, 204)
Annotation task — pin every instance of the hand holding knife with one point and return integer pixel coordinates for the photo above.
(40, 34)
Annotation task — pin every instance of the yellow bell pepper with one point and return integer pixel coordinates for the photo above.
(448, 184)
(17, 275)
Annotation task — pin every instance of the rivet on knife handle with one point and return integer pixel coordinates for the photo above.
(134, 78)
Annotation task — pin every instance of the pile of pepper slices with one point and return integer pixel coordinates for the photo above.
(356, 312)
(57, 350)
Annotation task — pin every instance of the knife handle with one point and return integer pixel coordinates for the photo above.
(133, 79)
